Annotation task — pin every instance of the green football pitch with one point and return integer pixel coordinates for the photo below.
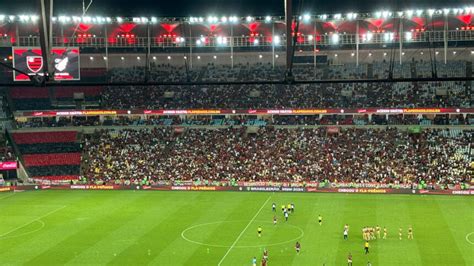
(220, 228)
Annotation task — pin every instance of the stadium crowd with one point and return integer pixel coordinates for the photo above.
(437, 157)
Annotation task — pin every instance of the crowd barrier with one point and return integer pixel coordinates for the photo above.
(245, 189)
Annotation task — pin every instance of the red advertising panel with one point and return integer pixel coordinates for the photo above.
(30, 60)
(8, 165)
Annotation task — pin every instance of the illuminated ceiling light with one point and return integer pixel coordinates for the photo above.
(386, 14)
(306, 17)
(409, 13)
(260, 56)
(337, 16)
(249, 19)
(215, 57)
(352, 15)
(335, 38)
(419, 12)
(446, 11)
(388, 36)
(224, 19)
(431, 12)
(138, 58)
(400, 13)
(310, 37)
(268, 19)
(324, 17)
(91, 58)
(119, 19)
(154, 20)
(408, 36)
(233, 19)
(169, 57)
(276, 39)
(34, 18)
(2, 17)
(467, 10)
(11, 18)
(25, 18)
(378, 14)
(108, 19)
(122, 58)
(87, 19)
(255, 42)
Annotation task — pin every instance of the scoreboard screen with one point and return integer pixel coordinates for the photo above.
(30, 60)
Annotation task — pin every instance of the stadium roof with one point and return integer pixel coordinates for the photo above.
(185, 8)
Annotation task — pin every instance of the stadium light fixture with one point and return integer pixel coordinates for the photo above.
(86, 19)
(122, 58)
(370, 54)
(335, 38)
(352, 54)
(276, 56)
(337, 16)
(260, 56)
(91, 58)
(310, 37)
(454, 52)
(409, 13)
(472, 52)
(198, 57)
(335, 55)
(324, 17)
(386, 14)
(169, 57)
(224, 19)
(256, 42)
(446, 11)
(2, 17)
(431, 12)
(108, 19)
(249, 19)
(419, 12)
(215, 57)
(221, 40)
(268, 19)
(233, 19)
(11, 18)
(119, 19)
(24, 18)
(154, 20)
(352, 16)
(185, 57)
(306, 18)
(437, 53)
(138, 58)
(384, 54)
(154, 57)
(378, 14)
(136, 20)
(400, 14)
(276, 40)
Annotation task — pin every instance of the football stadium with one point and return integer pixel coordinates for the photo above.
(236, 132)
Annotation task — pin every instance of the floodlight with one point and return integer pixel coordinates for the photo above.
(268, 19)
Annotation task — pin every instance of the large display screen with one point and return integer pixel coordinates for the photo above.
(30, 60)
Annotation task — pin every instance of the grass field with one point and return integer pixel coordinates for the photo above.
(208, 228)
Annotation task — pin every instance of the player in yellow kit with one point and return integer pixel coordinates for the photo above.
(400, 233)
(410, 233)
(385, 233)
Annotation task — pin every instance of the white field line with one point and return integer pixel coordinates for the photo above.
(243, 231)
(32, 221)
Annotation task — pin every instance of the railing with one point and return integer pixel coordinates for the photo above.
(246, 41)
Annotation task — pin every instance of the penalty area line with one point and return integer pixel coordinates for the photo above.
(243, 231)
(32, 221)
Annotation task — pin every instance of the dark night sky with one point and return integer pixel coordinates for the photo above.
(221, 7)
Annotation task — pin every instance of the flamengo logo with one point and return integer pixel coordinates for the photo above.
(34, 63)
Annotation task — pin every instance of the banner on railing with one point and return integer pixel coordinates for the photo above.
(8, 165)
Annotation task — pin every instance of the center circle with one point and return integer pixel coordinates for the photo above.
(273, 235)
